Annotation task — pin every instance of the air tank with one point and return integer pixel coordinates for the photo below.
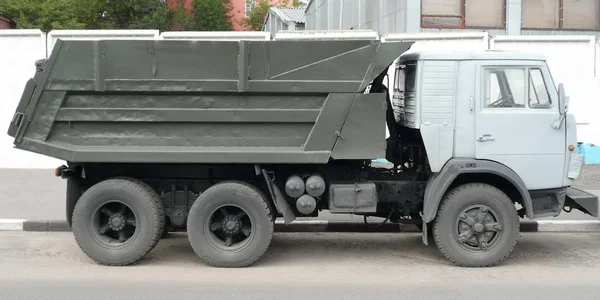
(315, 185)
(306, 204)
(294, 186)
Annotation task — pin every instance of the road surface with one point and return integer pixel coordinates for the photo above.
(547, 266)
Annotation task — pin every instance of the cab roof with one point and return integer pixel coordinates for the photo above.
(471, 55)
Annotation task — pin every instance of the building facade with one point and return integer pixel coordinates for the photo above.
(498, 17)
(6, 22)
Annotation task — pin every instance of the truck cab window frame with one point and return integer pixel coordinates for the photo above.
(539, 95)
(502, 88)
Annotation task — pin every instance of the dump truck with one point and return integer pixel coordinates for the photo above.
(222, 138)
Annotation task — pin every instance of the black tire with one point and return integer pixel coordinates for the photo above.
(482, 204)
(209, 242)
(139, 203)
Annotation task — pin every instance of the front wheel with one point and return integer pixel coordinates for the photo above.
(476, 226)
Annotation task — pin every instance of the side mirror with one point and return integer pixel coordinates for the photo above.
(563, 100)
(563, 105)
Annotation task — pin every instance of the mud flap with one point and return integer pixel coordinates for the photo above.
(582, 201)
(425, 237)
(279, 199)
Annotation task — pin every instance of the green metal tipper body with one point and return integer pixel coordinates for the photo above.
(206, 101)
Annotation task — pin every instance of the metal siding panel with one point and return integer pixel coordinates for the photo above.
(438, 84)
(365, 8)
(374, 13)
(322, 15)
(177, 120)
(331, 119)
(267, 26)
(277, 25)
(187, 115)
(205, 101)
(410, 112)
(350, 14)
(389, 17)
(179, 134)
(438, 140)
(311, 21)
(68, 35)
(363, 133)
(333, 11)
(437, 110)
(464, 140)
(560, 33)
(124, 154)
(491, 32)
(401, 20)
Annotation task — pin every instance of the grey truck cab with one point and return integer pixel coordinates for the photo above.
(492, 113)
(220, 138)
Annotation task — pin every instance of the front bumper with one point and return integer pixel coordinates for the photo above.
(582, 201)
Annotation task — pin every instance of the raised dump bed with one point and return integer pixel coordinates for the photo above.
(206, 101)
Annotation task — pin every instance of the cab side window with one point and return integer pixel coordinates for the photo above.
(505, 88)
(399, 80)
(538, 92)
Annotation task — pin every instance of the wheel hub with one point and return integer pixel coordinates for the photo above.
(478, 228)
(231, 225)
(116, 222)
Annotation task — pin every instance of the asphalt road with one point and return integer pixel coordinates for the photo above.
(35, 194)
(303, 266)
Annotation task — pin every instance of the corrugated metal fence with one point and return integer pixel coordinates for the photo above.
(381, 16)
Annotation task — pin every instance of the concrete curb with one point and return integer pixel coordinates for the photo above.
(11, 224)
(328, 226)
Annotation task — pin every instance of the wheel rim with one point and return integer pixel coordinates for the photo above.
(229, 228)
(114, 224)
(478, 228)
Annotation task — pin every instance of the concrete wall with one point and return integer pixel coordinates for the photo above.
(19, 49)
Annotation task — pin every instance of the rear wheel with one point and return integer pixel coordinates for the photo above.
(229, 225)
(476, 226)
(118, 221)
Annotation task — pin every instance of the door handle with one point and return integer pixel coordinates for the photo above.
(485, 138)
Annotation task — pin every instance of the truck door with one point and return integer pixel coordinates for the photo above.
(515, 110)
